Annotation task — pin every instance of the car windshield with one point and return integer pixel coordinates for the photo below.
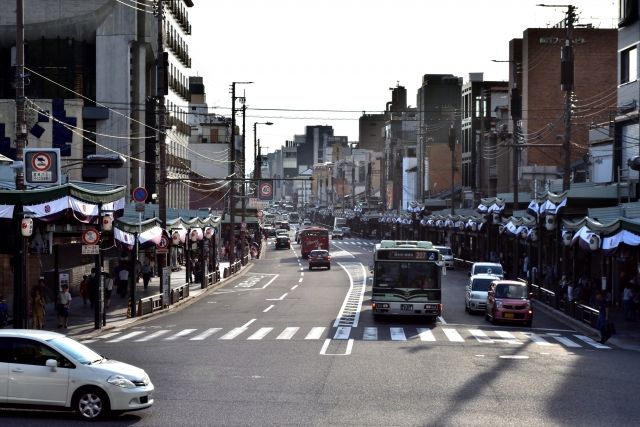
(481, 285)
(487, 269)
(80, 352)
(319, 253)
(444, 251)
(407, 275)
(511, 291)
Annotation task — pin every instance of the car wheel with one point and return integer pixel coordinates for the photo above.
(376, 318)
(528, 323)
(328, 267)
(91, 403)
(309, 268)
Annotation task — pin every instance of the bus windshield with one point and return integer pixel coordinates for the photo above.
(412, 275)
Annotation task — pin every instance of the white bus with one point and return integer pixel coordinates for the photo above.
(407, 278)
(339, 223)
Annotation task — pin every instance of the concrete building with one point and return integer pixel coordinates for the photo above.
(371, 132)
(439, 117)
(104, 53)
(483, 105)
(400, 136)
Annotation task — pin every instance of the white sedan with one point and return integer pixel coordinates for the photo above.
(46, 369)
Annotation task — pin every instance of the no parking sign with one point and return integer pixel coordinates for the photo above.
(42, 166)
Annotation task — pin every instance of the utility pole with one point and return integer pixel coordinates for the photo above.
(243, 159)
(21, 125)
(232, 174)
(161, 91)
(452, 146)
(480, 154)
(566, 84)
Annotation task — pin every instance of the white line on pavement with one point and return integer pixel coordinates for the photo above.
(278, 299)
(260, 333)
(205, 334)
(248, 323)
(268, 308)
(293, 287)
(315, 333)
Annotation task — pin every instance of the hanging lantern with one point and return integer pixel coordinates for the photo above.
(208, 233)
(175, 238)
(550, 222)
(533, 235)
(524, 232)
(594, 242)
(26, 227)
(193, 235)
(107, 222)
(567, 238)
(496, 217)
(501, 229)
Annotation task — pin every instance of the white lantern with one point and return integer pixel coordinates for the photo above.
(107, 223)
(175, 238)
(594, 242)
(496, 217)
(524, 232)
(567, 238)
(193, 235)
(534, 235)
(26, 227)
(550, 222)
(501, 229)
(474, 226)
(208, 233)
(461, 225)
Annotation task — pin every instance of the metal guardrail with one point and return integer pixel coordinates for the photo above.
(150, 304)
(580, 312)
(179, 293)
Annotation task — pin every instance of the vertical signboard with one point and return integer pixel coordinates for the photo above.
(42, 166)
(265, 190)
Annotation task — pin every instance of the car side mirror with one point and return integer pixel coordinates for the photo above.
(52, 363)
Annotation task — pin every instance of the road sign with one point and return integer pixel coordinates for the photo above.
(164, 243)
(140, 207)
(42, 166)
(265, 190)
(140, 194)
(90, 236)
(90, 249)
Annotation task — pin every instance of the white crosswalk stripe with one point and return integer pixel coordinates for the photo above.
(452, 335)
(426, 334)
(260, 333)
(367, 333)
(288, 333)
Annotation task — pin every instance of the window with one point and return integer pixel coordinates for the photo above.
(629, 65)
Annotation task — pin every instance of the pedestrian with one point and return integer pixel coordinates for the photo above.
(93, 286)
(604, 326)
(123, 281)
(4, 312)
(84, 289)
(138, 270)
(38, 304)
(146, 273)
(627, 302)
(63, 302)
(108, 289)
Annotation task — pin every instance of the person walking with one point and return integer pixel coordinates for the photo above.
(63, 303)
(4, 312)
(123, 281)
(146, 273)
(38, 304)
(602, 323)
(627, 302)
(84, 289)
(108, 289)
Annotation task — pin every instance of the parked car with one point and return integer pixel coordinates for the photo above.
(487, 268)
(508, 301)
(42, 369)
(283, 241)
(475, 297)
(337, 234)
(447, 255)
(346, 232)
(306, 221)
(319, 258)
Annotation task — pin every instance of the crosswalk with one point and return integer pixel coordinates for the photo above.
(458, 335)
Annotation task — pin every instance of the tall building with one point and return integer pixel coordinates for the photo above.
(91, 65)
(439, 120)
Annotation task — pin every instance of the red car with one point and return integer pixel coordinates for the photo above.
(319, 258)
(508, 301)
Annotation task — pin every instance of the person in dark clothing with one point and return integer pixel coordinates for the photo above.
(602, 324)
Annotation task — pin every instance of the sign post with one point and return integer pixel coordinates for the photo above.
(42, 166)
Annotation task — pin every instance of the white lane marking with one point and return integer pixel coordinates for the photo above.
(270, 281)
(425, 334)
(268, 308)
(397, 334)
(508, 337)
(205, 334)
(441, 319)
(537, 339)
(278, 299)
(592, 342)
(349, 347)
(288, 333)
(232, 333)
(370, 334)
(315, 333)
(154, 335)
(293, 287)
(452, 335)
(301, 274)
(182, 333)
(480, 336)
(127, 336)
(300, 281)
(260, 333)
(102, 337)
(566, 341)
(342, 333)
(347, 299)
(246, 325)
(514, 357)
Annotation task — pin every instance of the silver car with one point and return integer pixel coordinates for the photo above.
(475, 297)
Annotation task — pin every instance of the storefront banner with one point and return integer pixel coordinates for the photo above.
(154, 234)
(6, 211)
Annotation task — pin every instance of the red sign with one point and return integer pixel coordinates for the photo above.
(41, 162)
(265, 190)
(90, 236)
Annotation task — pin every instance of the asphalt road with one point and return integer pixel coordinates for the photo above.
(262, 350)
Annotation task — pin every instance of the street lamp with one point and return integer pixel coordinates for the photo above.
(256, 150)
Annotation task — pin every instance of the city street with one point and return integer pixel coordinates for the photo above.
(282, 345)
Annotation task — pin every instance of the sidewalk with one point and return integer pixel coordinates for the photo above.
(627, 332)
(82, 317)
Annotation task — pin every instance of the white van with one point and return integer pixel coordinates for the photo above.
(447, 255)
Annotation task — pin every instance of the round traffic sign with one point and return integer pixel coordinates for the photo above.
(90, 236)
(41, 162)
(164, 243)
(140, 194)
(266, 190)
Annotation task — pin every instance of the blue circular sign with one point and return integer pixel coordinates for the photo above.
(140, 194)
